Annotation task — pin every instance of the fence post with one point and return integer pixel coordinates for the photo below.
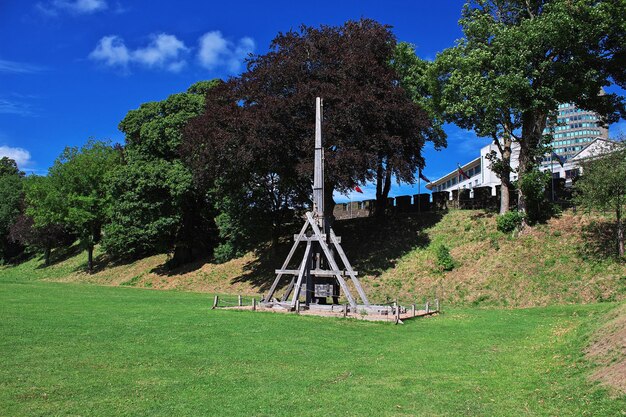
(437, 305)
(253, 304)
(345, 309)
(297, 306)
(413, 309)
(239, 300)
(397, 314)
(215, 301)
(427, 307)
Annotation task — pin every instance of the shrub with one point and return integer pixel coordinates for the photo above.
(536, 186)
(444, 259)
(224, 252)
(509, 221)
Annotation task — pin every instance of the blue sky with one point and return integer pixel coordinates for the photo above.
(71, 69)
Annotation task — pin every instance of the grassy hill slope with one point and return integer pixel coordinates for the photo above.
(564, 261)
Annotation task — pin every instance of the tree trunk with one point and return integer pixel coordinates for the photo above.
(505, 175)
(183, 254)
(379, 206)
(620, 231)
(505, 198)
(533, 124)
(383, 185)
(90, 258)
(503, 168)
(387, 185)
(46, 254)
(187, 242)
(275, 240)
(329, 202)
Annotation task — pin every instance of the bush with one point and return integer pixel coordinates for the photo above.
(444, 259)
(224, 252)
(510, 221)
(536, 186)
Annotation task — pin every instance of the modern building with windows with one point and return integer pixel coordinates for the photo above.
(478, 170)
(574, 132)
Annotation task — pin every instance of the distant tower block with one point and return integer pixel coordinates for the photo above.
(318, 276)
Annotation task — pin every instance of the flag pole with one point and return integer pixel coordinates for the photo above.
(458, 185)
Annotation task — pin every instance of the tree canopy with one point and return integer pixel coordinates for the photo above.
(603, 187)
(74, 192)
(11, 184)
(372, 128)
(155, 206)
(519, 59)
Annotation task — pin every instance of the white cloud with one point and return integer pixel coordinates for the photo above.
(19, 155)
(15, 107)
(164, 51)
(212, 47)
(169, 53)
(76, 7)
(112, 51)
(216, 51)
(18, 67)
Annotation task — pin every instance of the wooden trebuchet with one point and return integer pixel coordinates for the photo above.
(318, 264)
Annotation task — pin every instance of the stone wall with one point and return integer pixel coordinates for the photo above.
(477, 198)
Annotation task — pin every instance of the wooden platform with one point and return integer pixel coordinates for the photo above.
(371, 313)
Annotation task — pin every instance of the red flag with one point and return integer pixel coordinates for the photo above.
(463, 173)
(422, 176)
(358, 189)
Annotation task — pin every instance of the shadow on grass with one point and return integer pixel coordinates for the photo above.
(166, 270)
(104, 261)
(60, 254)
(599, 241)
(371, 245)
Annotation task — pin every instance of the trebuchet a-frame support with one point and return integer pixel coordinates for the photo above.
(321, 242)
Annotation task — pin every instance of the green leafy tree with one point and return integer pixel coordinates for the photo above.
(155, 206)
(42, 225)
(603, 187)
(536, 186)
(416, 78)
(40, 239)
(519, 59)
(11, 184)
(145, 213)
(45, 201)
(74, 193)
(253, 191)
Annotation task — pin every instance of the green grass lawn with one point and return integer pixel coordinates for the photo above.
(69, 349)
